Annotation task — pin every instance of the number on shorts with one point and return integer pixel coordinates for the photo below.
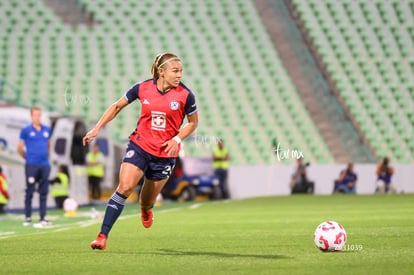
(167, 170)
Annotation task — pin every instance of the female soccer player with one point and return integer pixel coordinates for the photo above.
(155, 142)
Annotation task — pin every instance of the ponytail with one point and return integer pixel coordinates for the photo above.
(160, 60)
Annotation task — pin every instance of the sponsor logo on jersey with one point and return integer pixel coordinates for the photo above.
(158, 121)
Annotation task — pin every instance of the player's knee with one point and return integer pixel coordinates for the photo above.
(125, 189)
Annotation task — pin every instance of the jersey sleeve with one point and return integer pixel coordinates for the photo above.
(190, 105)
(23, 134)
(132, 93)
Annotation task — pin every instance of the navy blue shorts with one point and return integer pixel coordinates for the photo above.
(154, 168)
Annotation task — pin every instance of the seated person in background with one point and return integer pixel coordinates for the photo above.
(338, 181)
(384, 173)
(299, 181)
(60, 186)
(347, 181)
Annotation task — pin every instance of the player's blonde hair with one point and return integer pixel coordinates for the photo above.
(160, 60)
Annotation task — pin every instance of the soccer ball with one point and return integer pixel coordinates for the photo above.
(70, 206)
(330, 236)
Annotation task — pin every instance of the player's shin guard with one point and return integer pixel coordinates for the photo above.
(112, 212)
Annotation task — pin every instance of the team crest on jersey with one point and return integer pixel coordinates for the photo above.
(46, 134)
(174, 105)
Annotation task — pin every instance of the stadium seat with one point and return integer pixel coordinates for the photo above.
(383, 28)
(112, 55)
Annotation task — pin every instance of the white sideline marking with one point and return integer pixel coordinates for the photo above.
(169, 210)
(64, 227)
(6, 233)
(61, 229)
(196, 205)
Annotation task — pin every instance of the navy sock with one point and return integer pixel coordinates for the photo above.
(113, 210)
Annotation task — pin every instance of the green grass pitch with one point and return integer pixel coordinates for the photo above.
(271, 235)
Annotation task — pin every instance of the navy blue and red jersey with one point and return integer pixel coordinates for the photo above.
(162, 114)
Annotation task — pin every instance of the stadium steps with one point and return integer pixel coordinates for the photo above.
(308, 81)
(244, 96)
(367, 57)
(71, 12)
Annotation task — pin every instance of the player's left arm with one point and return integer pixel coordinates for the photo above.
(191, 111)
(190, 127)
(171, 145)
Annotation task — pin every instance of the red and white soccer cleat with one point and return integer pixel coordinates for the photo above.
(147, 217)
(99, 242)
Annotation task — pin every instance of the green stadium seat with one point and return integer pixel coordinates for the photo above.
(364, 21)
(93, 60)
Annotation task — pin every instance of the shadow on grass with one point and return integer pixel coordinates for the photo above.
(218, 254)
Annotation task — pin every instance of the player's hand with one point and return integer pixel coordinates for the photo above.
(89, 136)
(171, 147)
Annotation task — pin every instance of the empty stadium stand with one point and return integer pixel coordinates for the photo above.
(366, 49)
(243, 90)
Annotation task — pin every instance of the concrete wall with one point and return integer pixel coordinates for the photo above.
(244, 181)
(270, 180)
(17, 185)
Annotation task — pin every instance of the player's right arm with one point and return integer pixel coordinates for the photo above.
(20, 149)
(107, 116)
(20, 144)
